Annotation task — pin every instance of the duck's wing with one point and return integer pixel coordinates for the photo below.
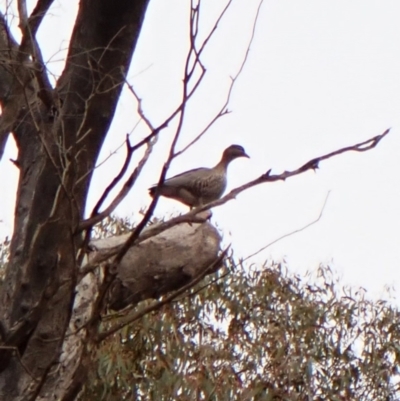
(186, 179)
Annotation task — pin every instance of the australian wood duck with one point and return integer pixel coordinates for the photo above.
(202, 185)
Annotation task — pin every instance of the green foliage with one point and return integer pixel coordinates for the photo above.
(250, 333)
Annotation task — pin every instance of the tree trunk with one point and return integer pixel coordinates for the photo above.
(58, 144)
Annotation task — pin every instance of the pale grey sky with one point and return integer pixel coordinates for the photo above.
(320, 75)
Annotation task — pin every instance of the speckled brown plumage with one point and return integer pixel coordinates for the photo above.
(202, 185)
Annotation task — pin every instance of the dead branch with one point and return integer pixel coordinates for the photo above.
(194, 21)
(128, 185)
(298, 230)
(149, 232)
(313, 164)
(131, 317)
(224, 109)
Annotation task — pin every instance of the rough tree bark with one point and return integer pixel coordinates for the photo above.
(59, 134)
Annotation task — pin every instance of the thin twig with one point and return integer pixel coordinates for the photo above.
(97, 216)
(116, 149)
(292, 232)
(224, 109)
(189, 72)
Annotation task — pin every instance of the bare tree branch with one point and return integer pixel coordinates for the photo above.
(97, 216)
(224, 109)
(313, 164)
(298, 230)
(150, 232)
(194, 21)
(130, 318)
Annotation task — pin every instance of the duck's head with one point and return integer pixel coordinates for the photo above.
(233, 152)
